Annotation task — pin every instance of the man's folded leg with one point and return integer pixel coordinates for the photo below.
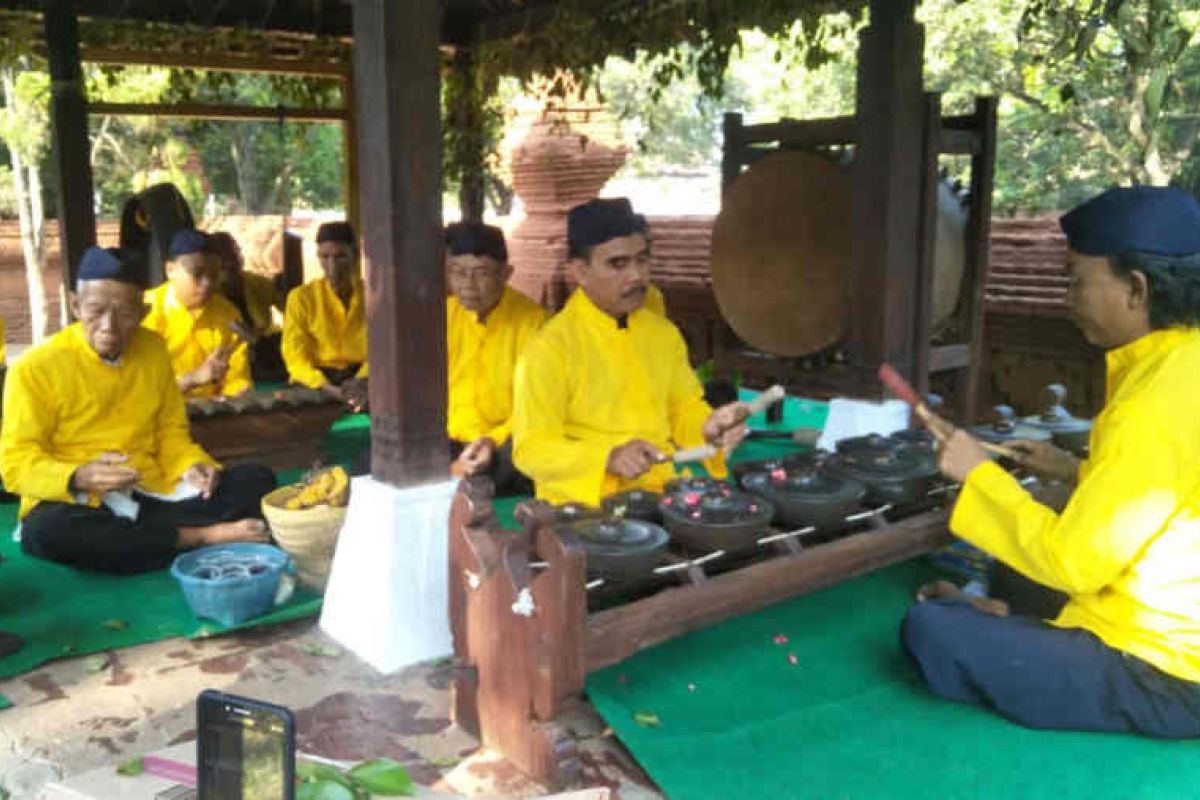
(238, 496)
(97, 539)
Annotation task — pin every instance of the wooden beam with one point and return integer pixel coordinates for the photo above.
(803, 133)
(351, 188)
(618, 633)
(922, 318)
(219, 111)
(213, 61)
(293, 16)
(68, 112)
(399, 134)
(886, 205)
(983, 169)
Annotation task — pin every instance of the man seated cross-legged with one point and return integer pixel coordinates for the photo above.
(96, 441)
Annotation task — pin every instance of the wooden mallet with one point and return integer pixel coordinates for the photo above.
(895, 382)
(755, 406)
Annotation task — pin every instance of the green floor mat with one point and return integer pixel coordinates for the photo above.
(850, 718)
(65, 612)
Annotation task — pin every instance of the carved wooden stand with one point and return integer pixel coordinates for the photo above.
(524, 640)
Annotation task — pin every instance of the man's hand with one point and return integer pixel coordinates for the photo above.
(354, 392)
(633, 459)
(474, 458)
(204, 477)
(212, 371)
(108, 473)
(1045, 460)
(726, 426)
(959, 455)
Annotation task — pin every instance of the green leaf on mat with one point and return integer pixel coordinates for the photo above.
(324, 790)
(131, 768)
(3, 793)
(95, 663)
(324, 650)
(384, 777)
(66, 650)
(647, 719)
(309, 771)
(115, 624)
(444, 762)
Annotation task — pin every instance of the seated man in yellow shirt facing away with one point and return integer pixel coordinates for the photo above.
(1123, 654)
(488, 324)
(259, 304)
(324, 323)
(96, 441)
(604, 391)
(197, 323)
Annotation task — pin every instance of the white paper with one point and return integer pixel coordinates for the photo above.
(850, 418)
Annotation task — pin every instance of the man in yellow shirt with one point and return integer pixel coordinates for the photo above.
(258, 301)
(96, 441)
(324, 323)
(488, 324)
(1124, 653)
(604, 391)
(197, 323)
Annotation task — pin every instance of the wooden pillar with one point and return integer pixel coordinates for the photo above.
(350, 185)
(887, 196)
(68, 112)
(399, 139)
(731, 150)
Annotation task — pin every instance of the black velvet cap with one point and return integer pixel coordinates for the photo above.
(1157, 220)
(112, 264)
(187, 241)
(600, 220)
(337, 232)
(476, 239)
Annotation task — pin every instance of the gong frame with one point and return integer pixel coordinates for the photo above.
(850, 369)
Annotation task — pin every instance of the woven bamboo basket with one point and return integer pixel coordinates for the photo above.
(309, 535)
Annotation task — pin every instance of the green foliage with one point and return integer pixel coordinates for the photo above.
(378, 776)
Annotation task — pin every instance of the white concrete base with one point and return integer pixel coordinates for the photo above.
(387, 599)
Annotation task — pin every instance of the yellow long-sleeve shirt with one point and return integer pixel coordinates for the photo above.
(483, 362)
(192, 337)
(318, 331)
(655, 301)
(64, 406)
(585, 385)
(262, 298)
(1127, 546)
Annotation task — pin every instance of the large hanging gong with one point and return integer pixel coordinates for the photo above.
(781, 246)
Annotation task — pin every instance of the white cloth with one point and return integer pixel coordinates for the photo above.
(850, 418)
(387, 600)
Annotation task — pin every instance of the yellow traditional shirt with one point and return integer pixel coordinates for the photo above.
(318, 331)
(1127, 546)
(262, 298)
(483, 362)
(655, 301)
(192, 336)
(585, 385)
(64, 405)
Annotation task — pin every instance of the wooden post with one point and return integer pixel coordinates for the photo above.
(731, 151)
(350, 184)
(399, 140)
(68, 111)
(983, 168)
(887, 192)
(922, 317)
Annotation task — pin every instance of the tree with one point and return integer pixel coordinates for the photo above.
(24, 128)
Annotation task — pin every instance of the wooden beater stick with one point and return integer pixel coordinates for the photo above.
(894, 381)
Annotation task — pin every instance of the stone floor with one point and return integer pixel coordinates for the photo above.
(71, 717)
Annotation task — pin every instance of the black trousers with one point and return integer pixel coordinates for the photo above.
(339, 375)
(1025, 597)
(266, 360)
(99, 540)
(509, 480)
(1040, 676)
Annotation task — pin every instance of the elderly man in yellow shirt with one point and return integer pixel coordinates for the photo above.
(1123, 655)
(197, 323)
(488, 324)
(604, 391)
(324, 323)
(96, 441)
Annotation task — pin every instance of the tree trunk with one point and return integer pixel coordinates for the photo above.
(245, 168)
(29, 214)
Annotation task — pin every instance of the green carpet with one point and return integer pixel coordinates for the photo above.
(851, 719)
(65, 612)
